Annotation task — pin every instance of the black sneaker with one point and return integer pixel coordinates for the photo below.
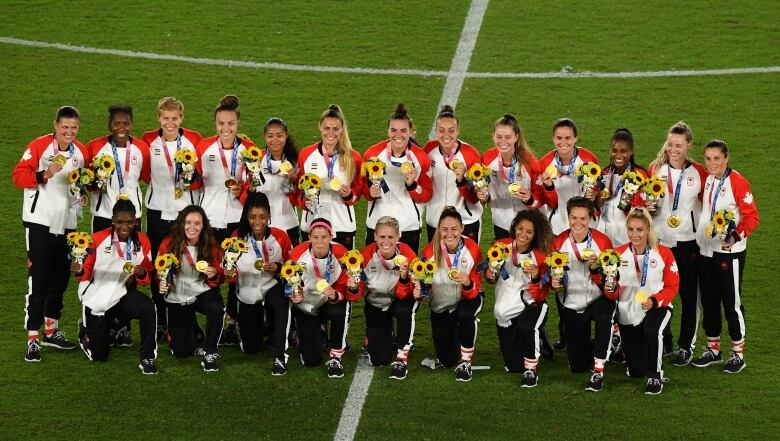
(162, 333)
(463, 372)
(683, 357)
(735, 364)
(335, 368)
(209, 362)
(58, 340)
(654, 386)
(229, 336)
(398, 371)
(33, 354)
(279, 368)
(148, 367)
(596, 382)
(559, 345)
(707, 358)
(432, 363)
(617, 355)
(122, 337)
(530, 379)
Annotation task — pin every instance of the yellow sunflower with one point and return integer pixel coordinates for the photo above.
(594, 171)
(352, 260)
(174, 260)
(160, 263)
(241, 246)
(81, 242)
(315, 180)
(107, 163)
(719, 221)
(73, 176)
(71, 237)
(87, 176)
(227, 243)
(418, 267)
(252, 153)
(430, 267)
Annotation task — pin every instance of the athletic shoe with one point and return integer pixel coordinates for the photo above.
(58, 340)
(229, 337)
(335, 368)
(654, 386)
(735, 364)
(463, 372)
(148, 367)
(122, 337)
(596, 382)
(683, 357)
(209, 362)
(162, 333)
(707, 358)
(530, 379)
(617, 356)
(559, 345)
(279, 368)
(432, 363)
(398, 371)
(33, 354)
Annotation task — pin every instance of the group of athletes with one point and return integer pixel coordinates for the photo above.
(538, 206)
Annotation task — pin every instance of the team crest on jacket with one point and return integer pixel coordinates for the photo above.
(157, 152)
(690, 181)
(212, 158)
(134, 160)
(653, 263)
(75, 161)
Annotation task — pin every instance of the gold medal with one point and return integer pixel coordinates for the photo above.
(335, 184)
(201, 266)
(552, 171)
(406, 167)
(454, 165)
(122, 196)
(452, 273)
(587, 253)
(525, 262)
(177, 192)
(259, 264)
(59, 159)
(514, 189)
(605, 193)
(673, 221)
(127, 268)
(285, 168)
(230, 183)
(322, 285)
(400, 260)
(641, 296)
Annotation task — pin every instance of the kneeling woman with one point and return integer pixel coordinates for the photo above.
(520, 317)
(256, 276)
(455, 294)
(192, 242)
(648, 284)
(108, 288)
(388, 290)
(315, 304)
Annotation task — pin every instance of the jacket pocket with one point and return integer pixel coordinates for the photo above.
(35, 201)
(693, 222)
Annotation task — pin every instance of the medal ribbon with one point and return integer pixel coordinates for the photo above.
(446, 253)
(713, 203)
(390, 156)
(382, 259)
(515, 259)
(512, 175)
(327, 265)
(268, 162)
(56, 147)
(450, 156)
(574, 244)
(677, 186)
(264, 254)
(330, 161)
(642, 276)
(189, 256)
(569, 167)
(118, 168)
(174, 173)
(619, 184)
(128, 249)
(233, 158)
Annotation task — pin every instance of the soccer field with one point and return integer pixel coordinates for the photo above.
(535, 60)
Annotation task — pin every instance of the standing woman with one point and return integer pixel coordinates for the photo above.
(314, 305)
(723, 260)
(220, 166)
(163, 201)
(388, 289)
(519, 318)
(131, 158)
(676, 225)
(191, 241)
(333, 160)
(455, 294)
(565, 159)
(612, 221)
(450, 187)
(48, 212)
(256, 276)
(281, 189)
(404, 189)
(648, 284)
(514, 185)
(108, 287)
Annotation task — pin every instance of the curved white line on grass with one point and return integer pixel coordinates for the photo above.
(353, 407)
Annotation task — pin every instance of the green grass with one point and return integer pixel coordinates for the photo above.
(67, 397)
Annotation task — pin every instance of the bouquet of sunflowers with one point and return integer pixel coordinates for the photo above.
(422, 273)
(79, 241)
(353, 262)
(609, 260)
(721, 226)
(497, 254)
(478, 176)
(558, 262)
(103, 165)
(185, 161)
(164, 264)
(374, 170)
(79, 178)
(292, 273)
(253, 158)
(653, 191)
(632, 182)
(310, 185)
(589, 173)
(232, 249)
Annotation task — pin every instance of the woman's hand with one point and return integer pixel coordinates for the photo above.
(546, 179)
(297, 295)
(417, 291)
(344, 190)
(410, 176)
(236, 191)
(375, 191)
(491, 275)
(460, 171)
(556, 282)
(210, 272)
(462, 278)
(524, 194)
(330, 293)
(75, 267)
(647, 305)
(532, 270)
(482, 195)
(230, 273)
(163, 287)
(269, 267)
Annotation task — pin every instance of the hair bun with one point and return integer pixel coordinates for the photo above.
(229, 102)
(623, 130)
(400, 109)
(446, 109)
(334, 108)
(509, 116)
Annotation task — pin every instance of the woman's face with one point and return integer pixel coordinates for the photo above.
(450, 230)
(579, 221)
(193, 225)
(66, 130)
(275, 138)
(227, 126)
(386, 238)
(505, 139)
(564, 141)
(524, 234)
(170, 122)
(620, 154)
(120, 127)
(447, 131)
(330, 132)
(638, 232)
(715, 161)
(258, 220)
(320, 241)
(124, 223)
(398, 132)
(677, 148)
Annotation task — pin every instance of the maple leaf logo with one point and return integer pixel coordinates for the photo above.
(27, 155)
(748, 199)
(673, 268)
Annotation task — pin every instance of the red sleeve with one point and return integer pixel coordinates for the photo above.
(146, 168)
(476, 281)
(146, 249)
(423, 182)
(671, 278)
(471, 157)
(430, 145)
(357, 182)
(216, 262)
(586, 155)
(193, 136)
(340, 285)
(26, 173)
(560, 240)
(537, 189)
(702, 178)
(538, 289)
(404, 289)
(284, 242)
(550, 196)
(427, 252)
(149, 136)
(746, 203)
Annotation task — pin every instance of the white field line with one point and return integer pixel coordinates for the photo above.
(353, 407)
(378, 71)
